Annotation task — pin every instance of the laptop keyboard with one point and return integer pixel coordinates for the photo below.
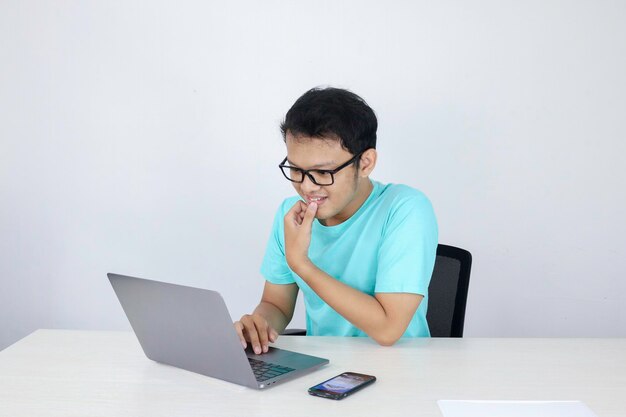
(265, 370)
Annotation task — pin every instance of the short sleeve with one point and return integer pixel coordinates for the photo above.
(274, 267)
(408, 249)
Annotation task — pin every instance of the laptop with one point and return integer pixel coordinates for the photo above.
(190, 328)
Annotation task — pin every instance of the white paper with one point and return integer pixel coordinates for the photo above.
(458, 408)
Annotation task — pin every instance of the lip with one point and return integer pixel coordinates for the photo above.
(311, 199)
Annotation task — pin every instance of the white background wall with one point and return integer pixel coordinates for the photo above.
(142, 138)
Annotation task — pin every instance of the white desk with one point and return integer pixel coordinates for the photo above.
(83, 373)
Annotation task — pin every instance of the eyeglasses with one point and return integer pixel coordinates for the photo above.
(317, 176)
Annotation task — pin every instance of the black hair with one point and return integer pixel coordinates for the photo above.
(333, 113)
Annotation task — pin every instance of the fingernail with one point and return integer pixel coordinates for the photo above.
(257, 350)
(313, 205)
(244, 344)
(265, 349)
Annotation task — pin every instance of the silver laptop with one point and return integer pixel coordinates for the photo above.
(190, 328)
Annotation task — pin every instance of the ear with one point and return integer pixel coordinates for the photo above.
(368, 162)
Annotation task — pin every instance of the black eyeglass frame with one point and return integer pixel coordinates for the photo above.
(306, 172)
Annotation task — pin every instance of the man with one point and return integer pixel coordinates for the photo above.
(361, 252)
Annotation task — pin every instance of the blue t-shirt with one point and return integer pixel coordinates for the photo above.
(388, 246)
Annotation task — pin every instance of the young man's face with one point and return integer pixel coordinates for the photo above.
(336, 202)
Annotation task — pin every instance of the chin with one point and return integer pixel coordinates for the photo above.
(321, 216)
(324, 216)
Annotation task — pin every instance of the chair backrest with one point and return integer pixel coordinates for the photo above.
(447, 293)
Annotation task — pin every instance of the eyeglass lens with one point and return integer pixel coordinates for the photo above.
(297, 175)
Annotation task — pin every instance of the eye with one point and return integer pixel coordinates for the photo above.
(322, 177)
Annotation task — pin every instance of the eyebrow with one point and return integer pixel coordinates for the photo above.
(317, 166)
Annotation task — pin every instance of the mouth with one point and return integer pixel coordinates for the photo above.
(314, 199)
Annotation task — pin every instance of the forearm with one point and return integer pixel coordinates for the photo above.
(276, 318)
(362, 310)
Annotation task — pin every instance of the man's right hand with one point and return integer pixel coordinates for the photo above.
(254, 329)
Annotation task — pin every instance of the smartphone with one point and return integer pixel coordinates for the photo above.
(341, 386)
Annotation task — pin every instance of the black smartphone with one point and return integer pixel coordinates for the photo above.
(341, 386)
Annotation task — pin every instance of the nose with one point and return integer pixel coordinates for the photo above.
(308, 186)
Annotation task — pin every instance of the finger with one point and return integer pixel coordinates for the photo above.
(309, 215)
(293, 215)
(251, 332)
(262, 330)
(301, 214)
(272, 335)
(298, 207)
(239, 329)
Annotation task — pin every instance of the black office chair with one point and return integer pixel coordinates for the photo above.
(447, 293)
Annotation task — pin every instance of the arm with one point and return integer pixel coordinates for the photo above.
(383, 317)
(269, 318)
